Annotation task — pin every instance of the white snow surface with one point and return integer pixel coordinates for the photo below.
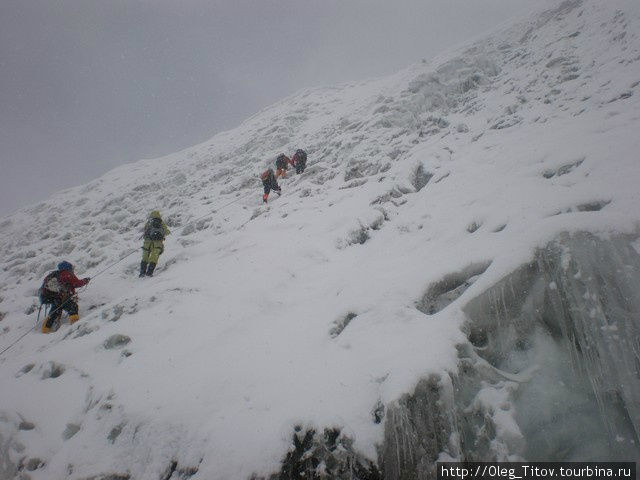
(530, 132)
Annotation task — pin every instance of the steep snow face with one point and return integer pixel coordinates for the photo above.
(338, 303)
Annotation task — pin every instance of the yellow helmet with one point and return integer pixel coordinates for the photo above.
(155, 214)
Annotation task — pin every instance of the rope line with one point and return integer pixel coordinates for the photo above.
(114, 263)
(184, 226)
(219, 208)
(19, 338)
(117, 262)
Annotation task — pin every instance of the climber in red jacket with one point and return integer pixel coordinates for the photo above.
(59, 290)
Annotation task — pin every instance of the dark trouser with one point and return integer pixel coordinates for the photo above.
(147, 269)
(268, 187)
(57, 305)
(270, 184)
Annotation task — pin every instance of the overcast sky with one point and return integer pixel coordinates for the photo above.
(87, 85)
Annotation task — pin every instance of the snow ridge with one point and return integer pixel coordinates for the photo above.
(322, 309)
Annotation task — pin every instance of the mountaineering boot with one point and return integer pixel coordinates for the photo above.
(143, 269)
(50, 325)
(73, 319)
(45, 328)
(152, 267)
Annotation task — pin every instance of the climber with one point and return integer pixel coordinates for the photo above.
(282, 163)
(154, 232)
(299, 160)
(269, 183)
(58, 291)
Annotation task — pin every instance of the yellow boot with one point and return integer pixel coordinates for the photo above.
(73, 319)
(46, 329)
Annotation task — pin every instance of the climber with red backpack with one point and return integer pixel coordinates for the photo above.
(282, 164)
(154, 232)
(58, 291)
(269, 182)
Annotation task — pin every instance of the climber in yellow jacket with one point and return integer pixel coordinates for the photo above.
(155, 230)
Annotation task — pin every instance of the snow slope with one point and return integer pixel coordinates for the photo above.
(310, 311)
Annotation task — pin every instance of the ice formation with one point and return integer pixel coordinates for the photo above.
(551, 371)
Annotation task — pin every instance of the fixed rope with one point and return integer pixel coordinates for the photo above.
(19, 338)
(184, 226)
(219, 208)
(111, 265)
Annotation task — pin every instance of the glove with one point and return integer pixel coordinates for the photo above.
(86, 279)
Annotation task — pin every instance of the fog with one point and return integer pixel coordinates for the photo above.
(87, 85)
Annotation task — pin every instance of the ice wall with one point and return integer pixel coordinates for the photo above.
(551, 371)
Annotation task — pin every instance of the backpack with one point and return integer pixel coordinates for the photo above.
(51, 287)
(302, 156)
(281, 161)
(155, 231)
